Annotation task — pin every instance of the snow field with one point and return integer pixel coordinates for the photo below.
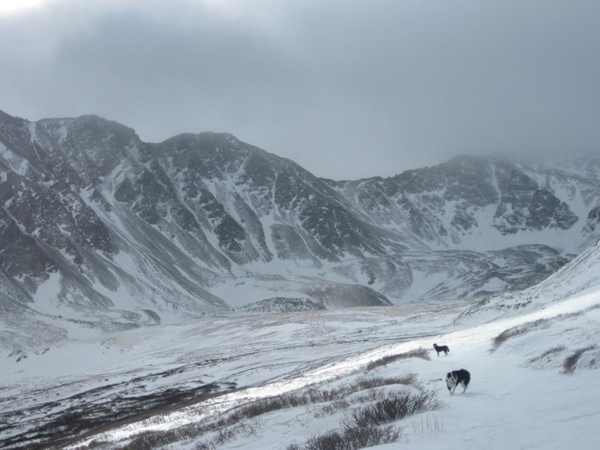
(508, 404)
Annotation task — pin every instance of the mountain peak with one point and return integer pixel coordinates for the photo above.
(4, 115)
(207, 137)
(86, 199)
(212, 135)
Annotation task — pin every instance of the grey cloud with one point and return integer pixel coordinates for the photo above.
(346, 88)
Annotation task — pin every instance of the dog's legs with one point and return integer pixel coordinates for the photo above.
(453, 389)
(465, 386)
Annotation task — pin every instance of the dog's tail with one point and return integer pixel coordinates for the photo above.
(467, 377)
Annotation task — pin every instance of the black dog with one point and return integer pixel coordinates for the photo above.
(441, 348)
(456, 377)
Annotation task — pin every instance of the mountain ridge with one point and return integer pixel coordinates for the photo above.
(198, 223)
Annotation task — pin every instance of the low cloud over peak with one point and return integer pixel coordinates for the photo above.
(346, 88)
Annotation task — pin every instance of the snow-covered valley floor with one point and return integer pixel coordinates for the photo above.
(164, 377)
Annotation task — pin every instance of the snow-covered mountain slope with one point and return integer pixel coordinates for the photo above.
(481, 203)
(534, 373)
(102, 231)
(581, 275)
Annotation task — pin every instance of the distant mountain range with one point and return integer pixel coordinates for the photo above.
(101, 231)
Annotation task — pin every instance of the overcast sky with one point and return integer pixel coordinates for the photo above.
(346, 88)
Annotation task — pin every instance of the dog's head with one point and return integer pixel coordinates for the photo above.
(450, 381)
(434, 345)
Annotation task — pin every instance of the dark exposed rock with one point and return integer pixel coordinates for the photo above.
(282, 305)
(593, 219)
(132, 226)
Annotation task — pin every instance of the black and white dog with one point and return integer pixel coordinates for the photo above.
(456, 377)
(441, 348)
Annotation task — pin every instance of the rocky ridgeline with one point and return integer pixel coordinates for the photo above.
(100, 229)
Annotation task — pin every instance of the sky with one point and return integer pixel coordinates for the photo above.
(346, 88)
